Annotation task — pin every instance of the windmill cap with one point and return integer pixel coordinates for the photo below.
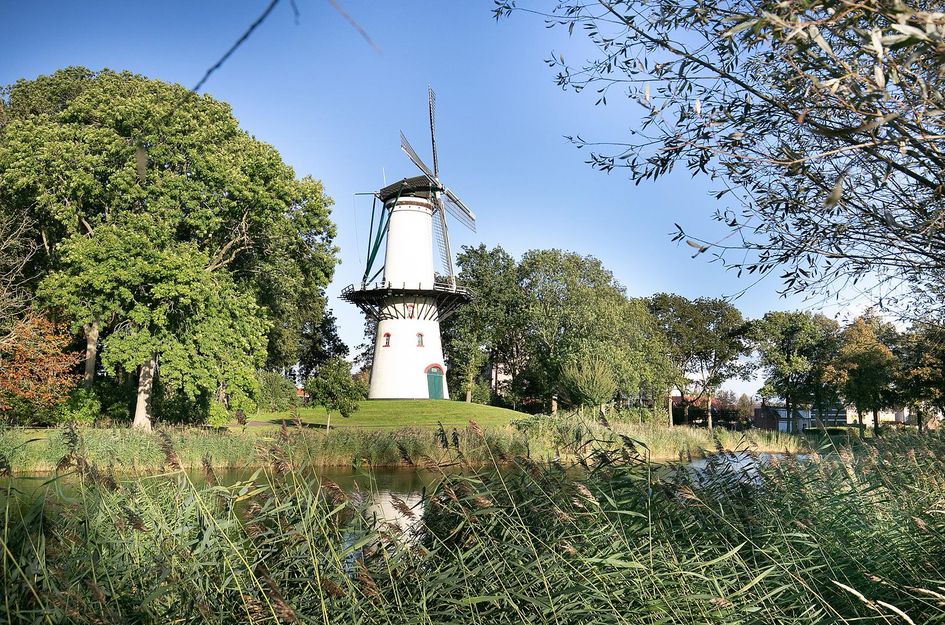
(418, 186)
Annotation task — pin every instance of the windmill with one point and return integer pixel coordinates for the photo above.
(410, 299)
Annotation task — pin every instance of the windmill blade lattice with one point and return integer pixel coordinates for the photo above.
(432, 101)
(413, 156)
(442, 244)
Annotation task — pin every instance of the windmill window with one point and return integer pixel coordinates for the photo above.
(410, 311)
(419, 339)
(387, 339)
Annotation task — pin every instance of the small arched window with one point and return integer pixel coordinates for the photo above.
(410, 311)
(419, 339)
(387, 339)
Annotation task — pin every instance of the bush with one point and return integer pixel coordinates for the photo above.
(276, 392)
(218, 416)
(335, 388)
(83, 407)
(481, 392)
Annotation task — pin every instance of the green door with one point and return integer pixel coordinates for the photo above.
(435, 382)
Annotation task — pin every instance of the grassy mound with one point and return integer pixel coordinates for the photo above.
(390, 414)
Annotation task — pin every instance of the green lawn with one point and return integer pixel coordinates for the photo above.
(393, 413)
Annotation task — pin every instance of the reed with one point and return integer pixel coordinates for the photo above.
(543, 438)
(838, 537)
(130, 451)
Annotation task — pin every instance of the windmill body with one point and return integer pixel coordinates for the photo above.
(410, 299)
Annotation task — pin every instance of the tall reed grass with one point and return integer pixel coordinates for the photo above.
(541, 438)
(128, 450)
(834, 538)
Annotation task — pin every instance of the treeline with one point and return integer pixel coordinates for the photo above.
(557, 327)
(155, 248)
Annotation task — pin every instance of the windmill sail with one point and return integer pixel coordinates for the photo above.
(442, 244)
(456, 208)
(436, 164)
(413, 156)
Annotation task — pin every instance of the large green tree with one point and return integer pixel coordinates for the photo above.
(707, 339)
(568, 298)
(794, 349)
(488, 330)
(106, 158)
(865, 367)
(920, 376)
(207, 335)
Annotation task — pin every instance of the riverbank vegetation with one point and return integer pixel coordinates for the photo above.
(540, 438)
(841, 538)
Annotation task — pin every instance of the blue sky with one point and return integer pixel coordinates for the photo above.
(333, 106)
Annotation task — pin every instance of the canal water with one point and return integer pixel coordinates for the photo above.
(378, 486)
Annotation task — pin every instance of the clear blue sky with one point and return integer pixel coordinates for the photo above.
(333, 106)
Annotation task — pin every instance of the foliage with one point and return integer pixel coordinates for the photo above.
(83, 407)
(130, 452)
(15, 251)
(35, 370)
(795, 348)
(209, 335)
(745, 407)
(920, 370)
(335, 388)
(530, 318)
(276, 392)
(853, 538)
(865, 365)
(706, 340)
(487, 331)
(588, 382)
(821, 123)
(320, 343)
(135, 188)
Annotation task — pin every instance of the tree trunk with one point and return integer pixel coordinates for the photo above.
(875, 422)
(669, 405)
(859, 420)
(708, 411)
(818, 410)
(145, 385)
(793, 425)
(328, 423)
(918, 417)
(554, 405)
(91, 351)
(685, 413)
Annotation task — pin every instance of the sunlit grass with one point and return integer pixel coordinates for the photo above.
(396, 413)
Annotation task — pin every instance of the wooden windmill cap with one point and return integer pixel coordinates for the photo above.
(418, 186)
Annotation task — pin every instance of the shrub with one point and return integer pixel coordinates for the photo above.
(83, 407)
(276, 392)
(335, 388)
(218, 416)
(482, 392)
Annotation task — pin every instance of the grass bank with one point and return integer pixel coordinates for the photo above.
(538, 438)
(845, 539)
(392, 414)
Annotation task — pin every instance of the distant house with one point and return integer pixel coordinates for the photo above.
(776, 418)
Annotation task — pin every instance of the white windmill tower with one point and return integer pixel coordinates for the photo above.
(410, 299)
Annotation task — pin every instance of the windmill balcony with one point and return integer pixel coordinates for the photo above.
(440, 285)
(383, 299)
